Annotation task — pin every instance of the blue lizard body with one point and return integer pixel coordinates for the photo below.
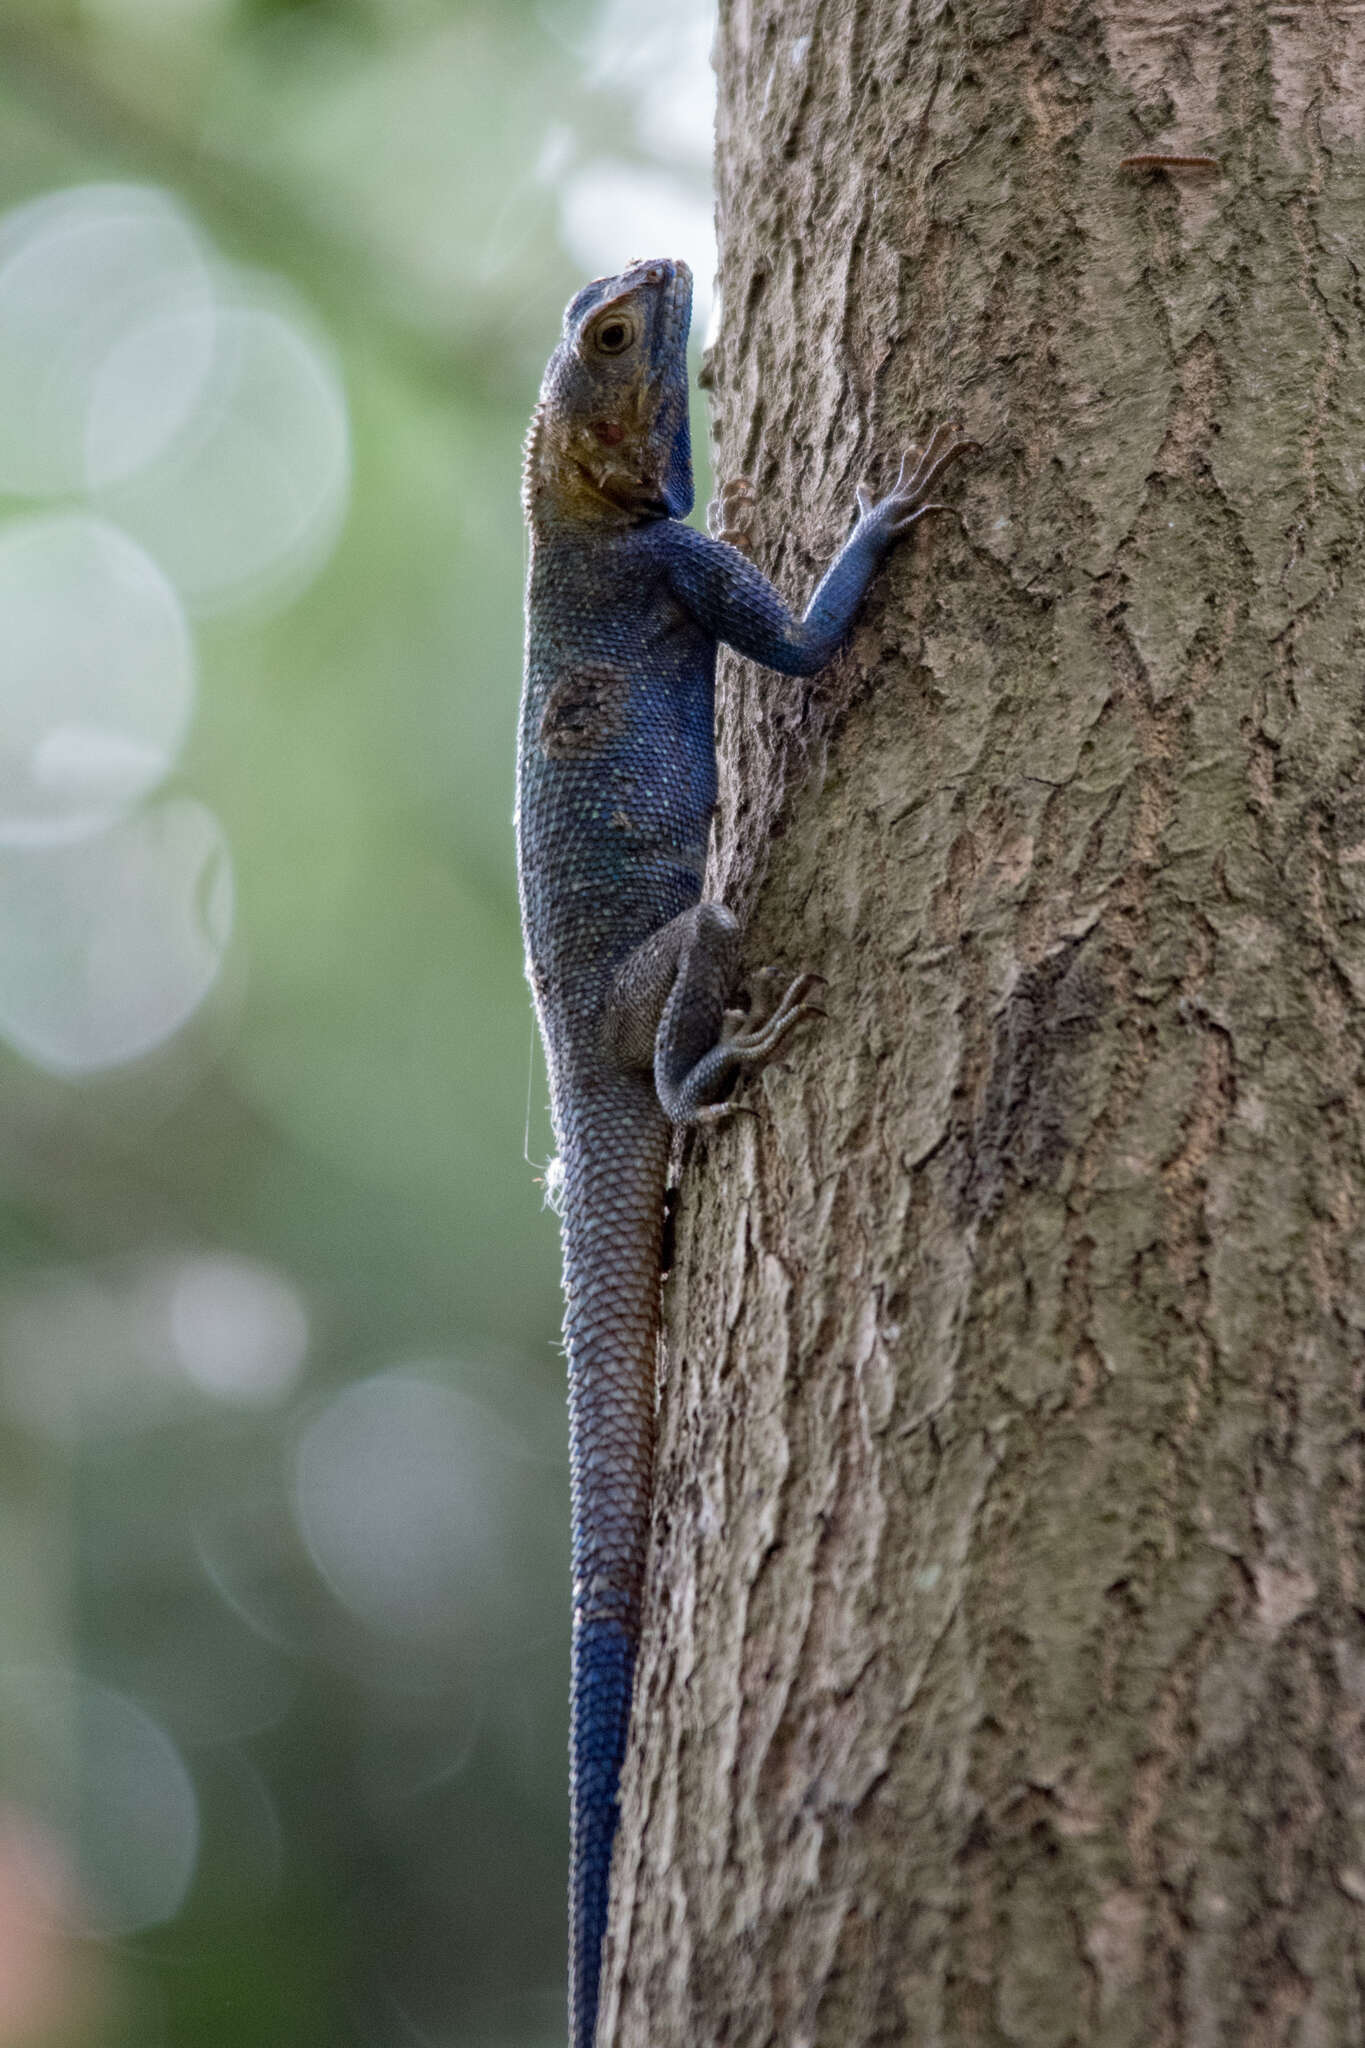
(630, 969)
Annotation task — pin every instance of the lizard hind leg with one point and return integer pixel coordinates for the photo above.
(746, 1043)
(669, 1008)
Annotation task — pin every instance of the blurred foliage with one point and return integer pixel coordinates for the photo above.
(285, 1640)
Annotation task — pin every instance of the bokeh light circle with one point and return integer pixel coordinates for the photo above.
(239, 1329)
(81, 271)
(395, 1504)
(109, 1780)
(245, 503)
(109, 944)
(96, 676)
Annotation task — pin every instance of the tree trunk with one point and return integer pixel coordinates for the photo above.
(1004, 1669)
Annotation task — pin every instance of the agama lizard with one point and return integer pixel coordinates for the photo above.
(630, 968)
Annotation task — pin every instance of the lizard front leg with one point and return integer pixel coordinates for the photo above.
(668, 1009)
(732, 601)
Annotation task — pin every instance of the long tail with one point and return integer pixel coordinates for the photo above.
(615, 1143)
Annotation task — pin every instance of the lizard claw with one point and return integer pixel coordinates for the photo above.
(768, 1023)
(768, 998)
(910, 519)
(925, 468)
(920, 469)
(729, 516)
(721, 1112)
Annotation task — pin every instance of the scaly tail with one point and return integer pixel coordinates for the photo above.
(615, 1148)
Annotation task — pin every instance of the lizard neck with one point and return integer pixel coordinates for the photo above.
(573, 481)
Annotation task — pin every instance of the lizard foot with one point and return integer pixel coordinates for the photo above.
(730, 516)
(908, 499)
(767, 988)
(758, 1032)
(748, 1040)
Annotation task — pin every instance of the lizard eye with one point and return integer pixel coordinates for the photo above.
(614, 336)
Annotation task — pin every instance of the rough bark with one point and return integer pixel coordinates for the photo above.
(1004, 1676)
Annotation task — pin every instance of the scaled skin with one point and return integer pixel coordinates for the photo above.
(631, 971)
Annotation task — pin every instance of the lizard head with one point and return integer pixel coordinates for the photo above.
(609, 441)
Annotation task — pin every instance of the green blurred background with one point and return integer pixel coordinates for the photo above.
(285, 1603)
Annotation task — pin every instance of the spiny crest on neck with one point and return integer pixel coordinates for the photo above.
(530, 456)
